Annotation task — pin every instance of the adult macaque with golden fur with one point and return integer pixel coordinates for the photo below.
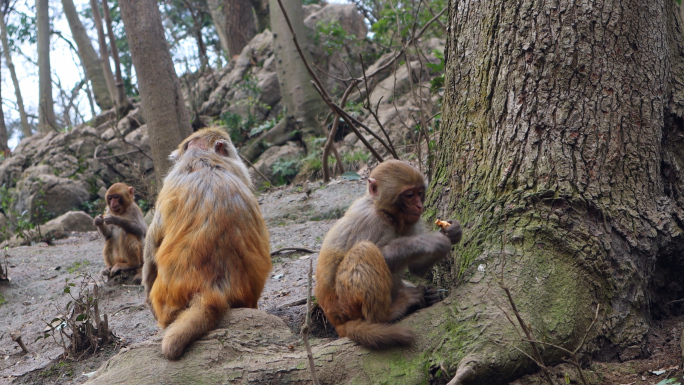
(207, 248)
(123, 228)
(359, 270)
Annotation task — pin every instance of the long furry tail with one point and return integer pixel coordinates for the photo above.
(376, 335)
(200, 317)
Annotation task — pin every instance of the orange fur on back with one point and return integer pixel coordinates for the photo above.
(208, 242)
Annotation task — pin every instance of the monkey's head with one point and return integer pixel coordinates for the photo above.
(399, 190)
(207, 139)
(119, 197)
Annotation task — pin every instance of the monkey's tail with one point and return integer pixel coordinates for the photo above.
(376, 335)
(201, 316)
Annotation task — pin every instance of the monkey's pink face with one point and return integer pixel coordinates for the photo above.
(412, 203)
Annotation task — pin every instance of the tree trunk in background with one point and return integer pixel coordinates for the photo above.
(299, 95)
(104, 53)
(4, 148)
(240, 25)
(25, 128)
(261, 12)
(91, 62)
(46, 113)
(121, 100)
(219, 19)
(167, 118)
(561, 150)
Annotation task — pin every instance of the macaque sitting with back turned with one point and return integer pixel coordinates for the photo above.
(207, 248)
(123, 228)
(363, 257)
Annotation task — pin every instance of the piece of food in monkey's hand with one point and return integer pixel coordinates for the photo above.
(442, 224)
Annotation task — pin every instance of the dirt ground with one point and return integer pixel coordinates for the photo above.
(297, 216)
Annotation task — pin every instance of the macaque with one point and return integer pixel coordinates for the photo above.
(359, 272)
(123, 228)
(207, 249)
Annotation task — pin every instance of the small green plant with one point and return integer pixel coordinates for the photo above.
(669, 381)
(284, 170)
(82, 329)
(78, 265)
(332, 37)
(2, 299)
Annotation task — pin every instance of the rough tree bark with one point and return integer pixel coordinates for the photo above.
(219, 20)
(91, 62)
(104, 53)
(261, 11)
(240, 25)
(160, 92)
(4, 148)
(121, 100)
(300, 96)
(25, 128)
(561, 153)
(46, 112)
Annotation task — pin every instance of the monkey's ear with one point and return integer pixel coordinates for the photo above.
(131, 191)
(373, 187)
(222, 147)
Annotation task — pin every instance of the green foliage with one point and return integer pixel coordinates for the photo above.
(2, 299)
(332, 37)
(94, 207)
(284, 170)
(399, 20)
(24, 225)
(669, 381)
(437, 82)
(77, 266)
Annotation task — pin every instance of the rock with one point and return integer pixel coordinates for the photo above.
(346, 14)
(396, 84)
(272, 157)
(270, 88)
(54, 195)
(72, 221)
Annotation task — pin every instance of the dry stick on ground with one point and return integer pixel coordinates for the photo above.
(321, 90)
(307, 325)
(294, 249)
(250, 164)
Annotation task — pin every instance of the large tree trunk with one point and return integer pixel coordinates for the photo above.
(91, 62)
(219, 19)
(561, 153)
(104, 53)
(46, 112)
(4, 148)
(299, 95)
(25, 128)
(121, 100)
(261, 11)
(162, 102)
(240, 25)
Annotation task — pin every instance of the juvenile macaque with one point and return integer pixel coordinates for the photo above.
(207, 248)
(123, 228)
(363, 257)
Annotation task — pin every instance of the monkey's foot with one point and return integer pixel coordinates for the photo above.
(106, 271)
(431, 295)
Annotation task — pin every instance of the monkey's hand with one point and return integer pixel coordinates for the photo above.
(453, 232)
(111, 220)
(98, 221)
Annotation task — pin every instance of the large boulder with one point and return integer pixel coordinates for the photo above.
(47, 194)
